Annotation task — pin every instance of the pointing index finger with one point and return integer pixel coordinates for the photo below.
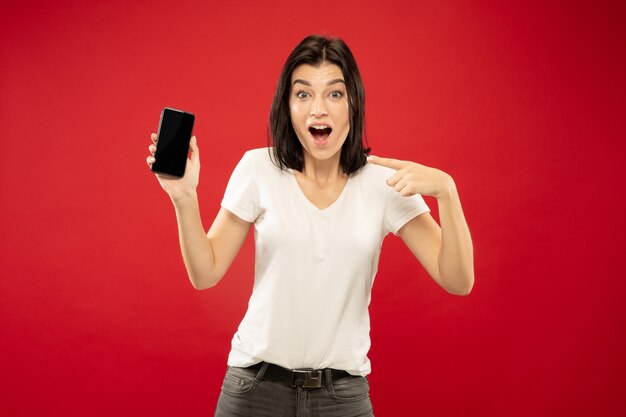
(386, 162)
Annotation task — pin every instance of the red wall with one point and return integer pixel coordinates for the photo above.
(522, 104)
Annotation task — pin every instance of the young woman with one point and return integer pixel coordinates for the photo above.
(320, 208)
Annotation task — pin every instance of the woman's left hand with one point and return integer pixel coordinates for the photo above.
(412, 178)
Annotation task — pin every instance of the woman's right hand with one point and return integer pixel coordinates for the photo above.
(179, 188)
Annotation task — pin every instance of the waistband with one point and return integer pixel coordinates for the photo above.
(306, 378)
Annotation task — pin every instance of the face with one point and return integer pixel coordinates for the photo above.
(318, 104)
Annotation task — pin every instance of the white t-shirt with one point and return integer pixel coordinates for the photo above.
(314, 269)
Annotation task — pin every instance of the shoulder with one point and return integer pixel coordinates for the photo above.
(259, 162)
(258, 153)
(258, 156)
(254, 157)
(377, 170)
(374, 176)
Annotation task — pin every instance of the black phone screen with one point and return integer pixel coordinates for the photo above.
(173, 142)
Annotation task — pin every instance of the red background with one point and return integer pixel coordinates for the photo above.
(522, 104)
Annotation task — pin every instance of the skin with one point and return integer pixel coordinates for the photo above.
(207, 256)
(446, 252)
(318, 95)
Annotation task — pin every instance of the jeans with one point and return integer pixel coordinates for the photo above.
(245, 393)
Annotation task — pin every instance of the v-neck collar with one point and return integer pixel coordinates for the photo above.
(310, 203)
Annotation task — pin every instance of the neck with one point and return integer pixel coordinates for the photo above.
(323, 172)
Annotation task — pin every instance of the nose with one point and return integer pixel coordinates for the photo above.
(318, 108)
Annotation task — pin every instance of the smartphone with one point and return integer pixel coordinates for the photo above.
(175, 128)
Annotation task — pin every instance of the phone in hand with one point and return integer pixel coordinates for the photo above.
(172, 146)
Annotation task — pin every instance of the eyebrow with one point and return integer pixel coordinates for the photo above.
(331, 82)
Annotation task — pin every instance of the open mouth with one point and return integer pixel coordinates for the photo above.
(320, 133)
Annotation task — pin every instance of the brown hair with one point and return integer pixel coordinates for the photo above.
(287, 149)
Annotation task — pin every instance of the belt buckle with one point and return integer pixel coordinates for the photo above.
(312, 379)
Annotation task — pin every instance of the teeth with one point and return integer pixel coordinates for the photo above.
(319, 127)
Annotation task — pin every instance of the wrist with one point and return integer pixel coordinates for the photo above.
(184, 199)
(448, 188)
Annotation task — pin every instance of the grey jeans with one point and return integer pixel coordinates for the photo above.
(245, 393)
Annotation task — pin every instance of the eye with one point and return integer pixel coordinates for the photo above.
(336, 94)
(301, 94)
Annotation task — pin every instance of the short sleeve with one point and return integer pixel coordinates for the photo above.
(241, 196)
(400, 209)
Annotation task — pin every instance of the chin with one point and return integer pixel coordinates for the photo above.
(323, 154)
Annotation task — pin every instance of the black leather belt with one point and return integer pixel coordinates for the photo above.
(306, 378)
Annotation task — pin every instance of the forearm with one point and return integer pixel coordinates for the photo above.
(456, 258)
(194, 243)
